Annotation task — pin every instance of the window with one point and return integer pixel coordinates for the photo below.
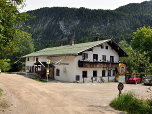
(77, 77)
(84, 56)
(114, 73)
(84, 74)
(103, 73)
(95, 56)
(102, 46)
(27, 67)
(111, 59)
(28, 59)
(104, 57)
(57, 72)
(106, 47)
(109, 72)
(94, 73)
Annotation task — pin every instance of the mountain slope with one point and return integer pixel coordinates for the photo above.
(53, 25)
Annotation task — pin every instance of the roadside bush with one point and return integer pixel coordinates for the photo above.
(5, 65)
(129, 102)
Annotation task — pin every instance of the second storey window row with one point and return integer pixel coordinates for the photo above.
(95, 57)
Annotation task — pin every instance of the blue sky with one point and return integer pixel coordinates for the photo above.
(91, 4)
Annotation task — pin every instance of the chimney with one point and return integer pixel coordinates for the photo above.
(72, 41)
(97, 38)
(61, 43)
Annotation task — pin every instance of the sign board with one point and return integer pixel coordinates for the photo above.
(48, 61)
(47, 71)
(122, 69)
(120, 86)
(121, 79)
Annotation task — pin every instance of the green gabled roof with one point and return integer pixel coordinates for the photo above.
(66, 50)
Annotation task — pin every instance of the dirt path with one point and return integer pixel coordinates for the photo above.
(27, 96)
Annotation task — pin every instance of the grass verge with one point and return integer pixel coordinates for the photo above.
(39, 80)
(3, 104)
(78, 82)
(110, 82)
(129, 103)
(5, 72)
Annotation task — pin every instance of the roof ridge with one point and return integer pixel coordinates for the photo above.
(67, 49)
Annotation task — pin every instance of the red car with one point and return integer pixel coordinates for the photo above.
(133, 79)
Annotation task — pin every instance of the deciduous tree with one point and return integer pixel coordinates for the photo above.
(142, 41)
(9, 17)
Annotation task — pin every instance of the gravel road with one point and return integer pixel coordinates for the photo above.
(27, 96)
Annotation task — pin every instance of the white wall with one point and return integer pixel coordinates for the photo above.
(32, 60)
(96, 50)
(42, 58)
(68, 74)
(108, 52)
(72, 69)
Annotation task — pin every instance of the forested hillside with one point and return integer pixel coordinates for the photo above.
(60, 24)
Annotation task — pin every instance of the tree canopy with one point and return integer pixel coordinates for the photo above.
(136, 61)
(13, 42)
(9, 17)
(142, 41)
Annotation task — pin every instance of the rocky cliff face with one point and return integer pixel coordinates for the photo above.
(61, 23)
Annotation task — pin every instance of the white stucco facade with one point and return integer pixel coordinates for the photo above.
(68, 65)
(100, 51)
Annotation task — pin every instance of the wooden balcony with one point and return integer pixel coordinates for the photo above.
(97, 64)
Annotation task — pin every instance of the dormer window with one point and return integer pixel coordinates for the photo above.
(106, 47)
(84, 56)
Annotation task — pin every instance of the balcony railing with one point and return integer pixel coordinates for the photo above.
(97, 64)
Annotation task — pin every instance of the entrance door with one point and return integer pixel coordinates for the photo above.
(103, 73)
(52, 73)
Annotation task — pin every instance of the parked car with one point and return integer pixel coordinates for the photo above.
(148, 80)
(133, 79)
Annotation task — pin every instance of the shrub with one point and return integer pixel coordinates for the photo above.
(129, 102)
(5, 65)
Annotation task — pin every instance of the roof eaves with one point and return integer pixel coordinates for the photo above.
(93, 46)
(120, 48)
